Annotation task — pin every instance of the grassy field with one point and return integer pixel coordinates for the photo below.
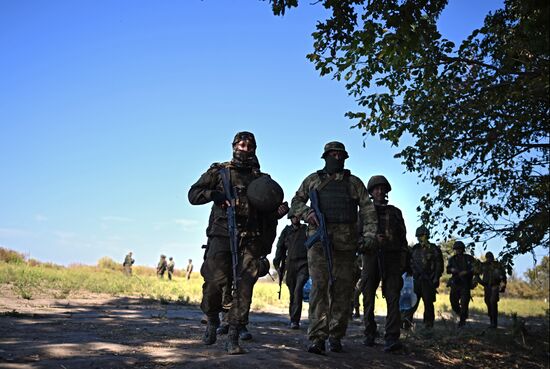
(62, 282)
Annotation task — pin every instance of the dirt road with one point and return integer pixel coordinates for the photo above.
(105, 332)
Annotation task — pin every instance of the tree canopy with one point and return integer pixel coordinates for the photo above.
(471, 119)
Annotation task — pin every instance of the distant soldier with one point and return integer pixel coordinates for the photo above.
(427, 267)
(385, 262)
(162, 266)
(170, 267)
(493, 279)
(189, 269)
(291, 254)
(461, 266)
(127, 264)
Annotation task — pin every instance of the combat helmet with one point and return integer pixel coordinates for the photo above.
(378, 180)
(263, 269)
(459, 245)
(422, 231)
(264, 194)
(335, 146)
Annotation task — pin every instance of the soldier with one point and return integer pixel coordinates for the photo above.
(170, 267)
(127, 264)
(189, 269)
(493, 279)
(340, 194)
(461, 266)
(292, 255)
(427, 267)
(256, 215)
(161, 266)
(384, 262)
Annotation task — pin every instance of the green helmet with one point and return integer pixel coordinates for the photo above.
(459, 245)
(422, 231)
(376, 181)
(335, 146)
(263, 269)
(489, 256)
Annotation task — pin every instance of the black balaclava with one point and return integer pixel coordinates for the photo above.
(245, 159)
(333, 165)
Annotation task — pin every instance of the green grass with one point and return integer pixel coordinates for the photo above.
(62, 282)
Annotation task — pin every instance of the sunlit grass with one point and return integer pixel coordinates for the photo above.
(59, 282)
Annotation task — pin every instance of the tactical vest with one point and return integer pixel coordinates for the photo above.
(390, 226)
(336, 202)
(423, 260)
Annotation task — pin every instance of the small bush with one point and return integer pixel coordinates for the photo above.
(108, 263)
(10, 256)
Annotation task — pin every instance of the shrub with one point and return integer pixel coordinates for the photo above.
(10, 256)
(108, 263)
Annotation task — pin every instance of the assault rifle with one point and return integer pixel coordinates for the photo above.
(231, 224)
(281, 273)
(321, 234)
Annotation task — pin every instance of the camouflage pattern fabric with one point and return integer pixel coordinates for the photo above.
(330, 308)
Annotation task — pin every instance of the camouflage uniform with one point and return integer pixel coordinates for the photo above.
(461, 284)
(256, 235)
(170, 268)
(292, 251)
(127, 264)
(493, 279)
(189, 269)
(386, 263)
(330, 308)
(427, 267)
(162, 266)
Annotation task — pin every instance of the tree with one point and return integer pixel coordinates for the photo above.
(539, 277)
(472, 118)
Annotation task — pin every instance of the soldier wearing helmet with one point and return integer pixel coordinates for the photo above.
(256, 230)
(127, 264)
(461, 266)
(162, 266)
(426, 266)
(342, 199)
(291, 257)
(492, 277)
(385, 262)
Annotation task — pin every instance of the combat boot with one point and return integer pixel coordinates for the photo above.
(317, 347)
(335, 344)
(223, 328)
(209, 337)
(232, 344)
(244, 334)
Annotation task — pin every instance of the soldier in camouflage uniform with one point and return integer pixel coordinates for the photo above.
(385, 262)
(426, 267)
(340, 195)
(461, 266)
(292, 253)
(162, 266)
(493, 279)
(170, 267)
(127, 264)
(256, 232)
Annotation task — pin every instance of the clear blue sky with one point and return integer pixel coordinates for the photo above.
(110, 110)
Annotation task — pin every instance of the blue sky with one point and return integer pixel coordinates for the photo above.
(110, 110)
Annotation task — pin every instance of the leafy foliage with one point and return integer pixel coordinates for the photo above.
(473, 117)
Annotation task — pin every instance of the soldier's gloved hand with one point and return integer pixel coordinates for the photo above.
(283, 209)
(218, 198)
(311, 218)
